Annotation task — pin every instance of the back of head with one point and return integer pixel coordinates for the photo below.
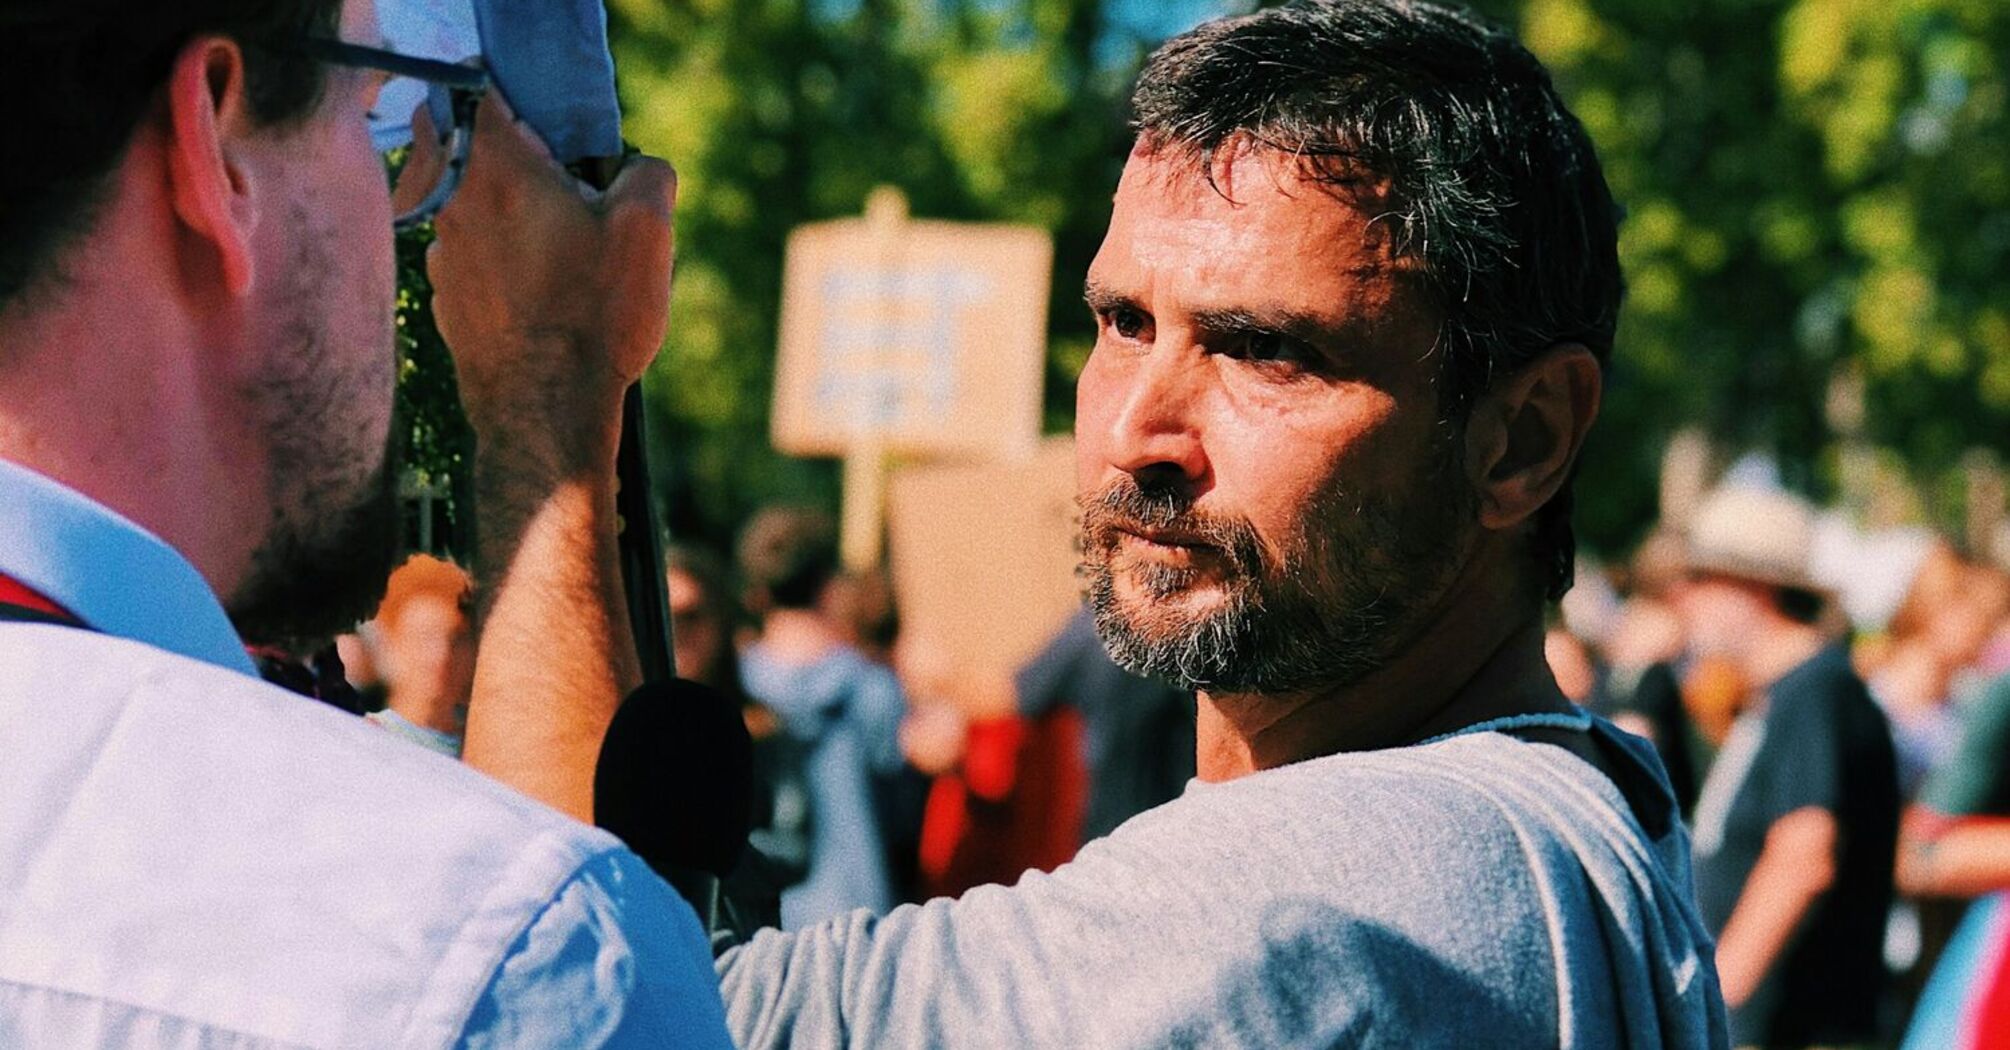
(423, 578)
(426, 638)
(1453, 133)
(80, 75)
(706, 618)
(788, 556)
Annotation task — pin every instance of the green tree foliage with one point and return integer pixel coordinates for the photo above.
(781, 112)
(1812, 186)
(436, 441)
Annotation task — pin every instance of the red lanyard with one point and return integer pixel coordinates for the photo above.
(20, 602)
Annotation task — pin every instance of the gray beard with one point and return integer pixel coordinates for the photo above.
(1353, 584)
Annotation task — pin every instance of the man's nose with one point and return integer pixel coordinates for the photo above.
(1157, 430)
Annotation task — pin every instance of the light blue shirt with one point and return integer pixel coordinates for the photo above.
(112, 574)
(189, 856)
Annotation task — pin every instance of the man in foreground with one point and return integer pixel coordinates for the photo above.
(1358, 283)
(196, 366)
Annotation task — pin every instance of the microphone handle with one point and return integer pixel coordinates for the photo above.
(641, 549)
(641, 546)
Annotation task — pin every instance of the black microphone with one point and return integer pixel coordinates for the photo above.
(675, 780)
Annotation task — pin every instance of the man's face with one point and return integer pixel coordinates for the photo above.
(322, 402)
(1720, 614)
(695, 634)
(1271, 503)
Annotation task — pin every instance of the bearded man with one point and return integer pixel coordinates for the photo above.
(1358, 287)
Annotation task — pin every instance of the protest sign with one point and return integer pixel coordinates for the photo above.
(916, 337)
(983, 555)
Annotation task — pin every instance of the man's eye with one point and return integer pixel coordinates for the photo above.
(1269, 347)
(1263, 346)
(1128, 323)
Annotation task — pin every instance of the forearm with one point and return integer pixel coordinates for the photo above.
(1794, 869)
(553, 297)
(555, 655)
(1966, 860)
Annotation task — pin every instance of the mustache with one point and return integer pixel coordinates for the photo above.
(1123, 505)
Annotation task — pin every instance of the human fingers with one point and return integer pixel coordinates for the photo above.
(424, 163)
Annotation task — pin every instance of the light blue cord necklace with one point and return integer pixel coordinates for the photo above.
(1576, 719)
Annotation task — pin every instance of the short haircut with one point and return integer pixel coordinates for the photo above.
(424, 576)
(79, 75)
(1490, 185)
(789, 555)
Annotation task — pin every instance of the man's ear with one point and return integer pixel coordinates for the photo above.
(1523, 436)
(209, 117)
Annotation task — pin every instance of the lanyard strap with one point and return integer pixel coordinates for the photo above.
(21, 604)
(1576, 720)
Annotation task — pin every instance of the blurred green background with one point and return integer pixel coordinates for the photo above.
(1817, 232)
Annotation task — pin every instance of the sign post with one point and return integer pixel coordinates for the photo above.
(909, 338)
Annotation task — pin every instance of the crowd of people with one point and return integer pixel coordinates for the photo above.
(1797, 719)
(1316, 766)
(1801, 720)
(1827, 721)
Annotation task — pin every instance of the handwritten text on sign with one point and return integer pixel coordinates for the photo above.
(922, 337)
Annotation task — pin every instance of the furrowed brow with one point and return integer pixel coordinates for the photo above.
(1293, 323)
(1103, 299)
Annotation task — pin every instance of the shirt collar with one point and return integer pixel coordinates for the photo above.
(114, 575)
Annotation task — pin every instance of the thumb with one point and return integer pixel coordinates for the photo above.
(645, 182)
(424, 163)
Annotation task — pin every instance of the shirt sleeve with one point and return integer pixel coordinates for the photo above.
(1164, 935)
(615, 960)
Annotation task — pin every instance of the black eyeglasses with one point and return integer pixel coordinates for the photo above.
(455, 90)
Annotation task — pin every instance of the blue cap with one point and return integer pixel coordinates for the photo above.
(549, 57)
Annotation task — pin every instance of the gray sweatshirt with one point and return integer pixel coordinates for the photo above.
(1479, 891)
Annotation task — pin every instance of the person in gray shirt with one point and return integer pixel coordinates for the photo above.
(1354, 305)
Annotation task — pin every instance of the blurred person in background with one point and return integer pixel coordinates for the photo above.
(1797, 820)
(863, 606)
(1129, 744)
(1575, 667)
(1955, 846)
(321, 675)
(425, 648)
(1645, 653)
(843, 708)
(1137, 740)
(705, 619)
(357, 649)
(1137, 732)
(1927, 656)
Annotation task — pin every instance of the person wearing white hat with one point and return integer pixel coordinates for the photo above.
(1797, 820)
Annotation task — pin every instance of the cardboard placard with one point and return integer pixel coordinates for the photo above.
(984, 555)
(917, 338)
